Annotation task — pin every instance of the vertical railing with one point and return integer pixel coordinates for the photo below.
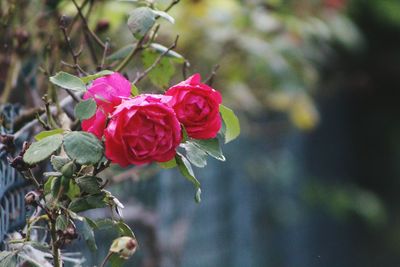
(12, 186)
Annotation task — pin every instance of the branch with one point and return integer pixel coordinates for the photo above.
(75, 55)
(85, 24)
(106, 47)
(63, 104)
(209, 81)
(156, 62)
(174, 2)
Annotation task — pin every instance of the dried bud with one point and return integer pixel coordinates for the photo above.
(32, 197)
(19, 164)
(102, 25)
(67, 235)
(64, 21)
(8, 142)
(124, 246)
(22, 37)
(25, 147)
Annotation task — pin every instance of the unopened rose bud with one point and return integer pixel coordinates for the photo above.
(124, 246)
(32, 197)
(68, 169)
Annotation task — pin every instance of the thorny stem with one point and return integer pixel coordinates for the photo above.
(155, 63)
(54, 245)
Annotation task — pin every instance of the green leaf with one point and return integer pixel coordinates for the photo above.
(8, 259)
(88, 184)
(140, 21)
(88, 234)
(47, 185)
(162, 73)
(58, 162)
(83, 147)
(121, 53)
(45, 134)
(55, 186)
(61, 222)
(164, 15)
(4, 254)
(73, 190)
(105, 224)
(134, 90)
(210, 146)
(88, 202)
(172, 54)
(232, 124)
(43, 149)
(85, 109)
(68, 81)
(186, 170)
(124, 229)
(91, 222)
(168, 164)
(92, 77)
(116, 260)
(195, 155)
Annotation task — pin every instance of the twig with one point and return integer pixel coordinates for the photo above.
(210, 79)
(26, 116)
(85, 24)
(174, 2)
(155, 63)
(64, 103)
(139, 46)
(75, 55)
(74, 66)
(185, 66)
(106, 47)
(76, 17)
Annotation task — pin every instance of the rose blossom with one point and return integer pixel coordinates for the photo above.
(108, 92)
(141, 130)
(197, 107)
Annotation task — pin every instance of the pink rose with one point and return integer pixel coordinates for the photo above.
(108, 92)
(141, 130)
(197, 107)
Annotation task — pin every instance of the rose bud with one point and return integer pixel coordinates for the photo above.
(197, 107)
(68, 169)
(141, 130)
(108, 92)
(124, 246)
(102, 25)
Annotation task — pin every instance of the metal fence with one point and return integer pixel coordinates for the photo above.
(12, 186)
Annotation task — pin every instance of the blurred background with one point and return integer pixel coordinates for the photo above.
(313, 179)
